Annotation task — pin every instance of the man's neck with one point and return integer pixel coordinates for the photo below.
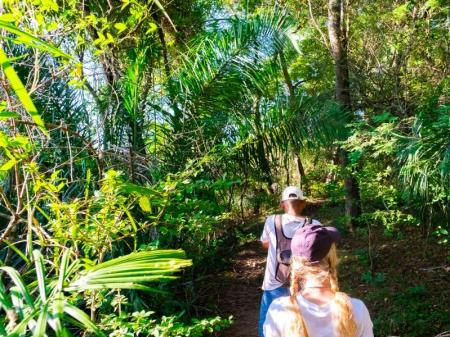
(293, 213)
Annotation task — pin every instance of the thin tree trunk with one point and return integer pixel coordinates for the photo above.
(260, 150)
(287, 80)
(287, 170)
(177, 120)
(338, 45)
(162, 40)
(292, 103)
(300, 170)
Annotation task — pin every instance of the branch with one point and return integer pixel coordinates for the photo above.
(316, 25)
(63, 127)
(12, 222)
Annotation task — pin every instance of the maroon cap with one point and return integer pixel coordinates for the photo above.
(314, 242)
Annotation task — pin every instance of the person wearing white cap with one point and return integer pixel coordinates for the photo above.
(276, 237)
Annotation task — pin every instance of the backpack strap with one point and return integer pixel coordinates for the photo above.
(278, 229)
(283, 242)
(283, 245)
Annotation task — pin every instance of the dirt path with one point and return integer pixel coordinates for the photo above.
(241, 293)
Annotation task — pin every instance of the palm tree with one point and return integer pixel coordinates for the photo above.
(224, 94)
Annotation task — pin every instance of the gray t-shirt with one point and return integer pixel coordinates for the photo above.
(290, 224)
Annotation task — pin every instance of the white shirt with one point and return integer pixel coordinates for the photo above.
(318, 318)
(289, 224)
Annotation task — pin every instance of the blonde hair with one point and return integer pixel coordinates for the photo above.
(325, 270)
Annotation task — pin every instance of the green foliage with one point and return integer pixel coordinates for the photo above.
(38, 306)
(14, 149)
(32, 41)
(90, 224)
(20, 90)
(400, 169)
(407, 312)
(425, 155)
(372, 279)
(163, 120)
(393, 221)
(16, 83)
(144, 323)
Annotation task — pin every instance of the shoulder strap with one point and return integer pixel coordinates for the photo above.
(278, 228)
(277, 220)
(278, 231)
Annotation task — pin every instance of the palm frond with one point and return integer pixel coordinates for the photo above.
(222, 67)
(43, 304)
(425, 154)
(131, 270)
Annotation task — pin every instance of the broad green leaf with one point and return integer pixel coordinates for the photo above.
(40, 274)
(146, 257)
(144, 202)
(8, 165)
(152, 27)
(5, 301)
(8, 17)
(20, 91)
(134, 188)
(63, 269)
(18, 281)
(120, 26)
(130, 217)
(2, 328)
(122, 285)
(57, 310)
(39, 329)
(4, 115)
(130, 270)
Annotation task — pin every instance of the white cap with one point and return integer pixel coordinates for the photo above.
(292, 193)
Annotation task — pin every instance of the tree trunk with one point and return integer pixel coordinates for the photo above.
(162, 40)
(300, 170)
(292, 103)
(338, 45)
(339, 53)
(287, 169)
(287, 80)
(263, 162)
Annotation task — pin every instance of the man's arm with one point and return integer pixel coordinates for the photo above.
(265, 234)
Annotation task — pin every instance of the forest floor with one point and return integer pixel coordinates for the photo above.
(404, 282)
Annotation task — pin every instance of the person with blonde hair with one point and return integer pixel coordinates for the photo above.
(316, 307)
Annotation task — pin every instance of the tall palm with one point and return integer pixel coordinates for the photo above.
(224, 94)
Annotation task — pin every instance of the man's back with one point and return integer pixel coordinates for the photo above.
(289, 224)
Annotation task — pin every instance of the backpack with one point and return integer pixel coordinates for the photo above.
(283, 251)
